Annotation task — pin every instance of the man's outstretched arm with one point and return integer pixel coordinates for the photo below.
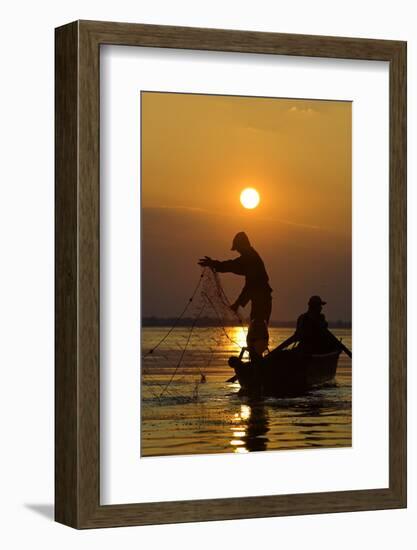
(228, 266)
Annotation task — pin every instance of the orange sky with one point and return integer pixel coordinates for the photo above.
(200, 151)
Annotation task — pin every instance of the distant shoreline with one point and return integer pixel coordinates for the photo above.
(210, 322)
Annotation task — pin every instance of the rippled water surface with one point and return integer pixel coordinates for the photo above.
(181, 415)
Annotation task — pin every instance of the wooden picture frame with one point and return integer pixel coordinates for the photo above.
(77, 404)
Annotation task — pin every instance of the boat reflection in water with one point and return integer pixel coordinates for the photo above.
(304, 422)
(249, 428)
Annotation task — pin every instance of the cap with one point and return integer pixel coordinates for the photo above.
(316, 300)
(240, 241)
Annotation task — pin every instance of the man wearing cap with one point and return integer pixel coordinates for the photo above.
(311, 332)
(256, 290)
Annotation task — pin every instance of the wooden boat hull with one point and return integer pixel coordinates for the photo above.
(287, 373)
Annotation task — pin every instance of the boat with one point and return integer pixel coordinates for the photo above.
(285, 373)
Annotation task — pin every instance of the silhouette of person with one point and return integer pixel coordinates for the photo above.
(312, 332)
(256, 290)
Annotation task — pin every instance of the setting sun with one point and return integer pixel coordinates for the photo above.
(249, 198)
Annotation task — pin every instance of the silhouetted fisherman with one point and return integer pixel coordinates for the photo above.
(312, 332)
(256, 290)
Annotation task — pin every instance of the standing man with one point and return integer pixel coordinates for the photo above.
(256, 290)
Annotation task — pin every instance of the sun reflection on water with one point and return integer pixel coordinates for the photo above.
(245, 412)
(249, 427)
(238, 337)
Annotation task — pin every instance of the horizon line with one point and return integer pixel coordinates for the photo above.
(160, 320)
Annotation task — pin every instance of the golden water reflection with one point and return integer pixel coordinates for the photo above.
(238, 338)
(249, 428)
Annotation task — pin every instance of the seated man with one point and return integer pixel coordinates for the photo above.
(311, 332)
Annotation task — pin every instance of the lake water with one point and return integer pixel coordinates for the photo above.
(180, 415)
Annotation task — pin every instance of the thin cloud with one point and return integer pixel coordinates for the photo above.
(302, 110)
(227, 215)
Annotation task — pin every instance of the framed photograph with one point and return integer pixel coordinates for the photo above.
(230, 274)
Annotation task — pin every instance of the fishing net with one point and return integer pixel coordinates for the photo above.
(176, 360)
